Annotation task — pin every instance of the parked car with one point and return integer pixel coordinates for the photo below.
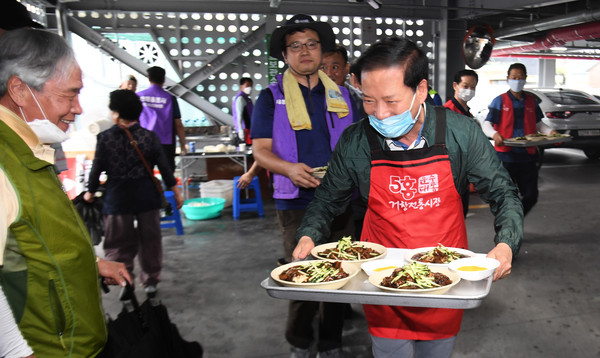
(570, 112)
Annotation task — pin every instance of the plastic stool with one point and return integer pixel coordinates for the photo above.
(252, 204)
(173, 220)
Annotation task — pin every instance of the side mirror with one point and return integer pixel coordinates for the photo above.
(478, 45)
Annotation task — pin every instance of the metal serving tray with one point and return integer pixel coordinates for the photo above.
(511, 142)
(465, 295)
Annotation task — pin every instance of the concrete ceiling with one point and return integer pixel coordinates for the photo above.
(521, 27)
(514, 22)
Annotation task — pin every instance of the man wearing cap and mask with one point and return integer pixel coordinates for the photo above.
(242, 110)
(296, 124)
(517, 114)
(411, 160)
(49, 268)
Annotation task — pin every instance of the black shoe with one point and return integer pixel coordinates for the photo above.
(168, 210)
(150, 291)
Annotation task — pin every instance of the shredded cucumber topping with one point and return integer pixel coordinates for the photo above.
(420, 274)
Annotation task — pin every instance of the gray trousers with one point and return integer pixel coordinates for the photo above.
(124, 241)
(405, 348)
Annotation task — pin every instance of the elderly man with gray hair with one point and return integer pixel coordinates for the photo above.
(49, 273)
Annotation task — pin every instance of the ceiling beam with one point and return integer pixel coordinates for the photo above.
(101, 42)
(228, 56)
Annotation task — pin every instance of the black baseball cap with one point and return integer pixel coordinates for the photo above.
(14, 15)
(301, 21)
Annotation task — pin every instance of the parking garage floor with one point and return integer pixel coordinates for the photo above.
(548, 307)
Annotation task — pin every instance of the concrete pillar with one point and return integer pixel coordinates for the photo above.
(440, 39)
(454, 61)
(61, 21)
(547, 71)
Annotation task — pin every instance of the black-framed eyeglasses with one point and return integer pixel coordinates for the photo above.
(297, 46)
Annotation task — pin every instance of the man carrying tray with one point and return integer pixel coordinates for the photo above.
(517, 114)
(412, 161)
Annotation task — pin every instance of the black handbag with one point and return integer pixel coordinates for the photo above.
(164, 203)
(146, 331)
(91, 214)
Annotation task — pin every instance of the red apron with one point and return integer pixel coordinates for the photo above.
(413, 203)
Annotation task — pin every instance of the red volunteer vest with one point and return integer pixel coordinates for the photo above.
(413, 203)
(454, 106)
(247, 138)
(507, 120)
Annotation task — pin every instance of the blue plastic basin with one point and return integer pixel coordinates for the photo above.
(211, 209)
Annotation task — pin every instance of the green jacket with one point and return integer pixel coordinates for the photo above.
(472, 159)
(49, 275)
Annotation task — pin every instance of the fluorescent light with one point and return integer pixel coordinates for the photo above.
(375, 4)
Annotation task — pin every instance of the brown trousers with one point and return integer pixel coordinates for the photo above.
(124, 240)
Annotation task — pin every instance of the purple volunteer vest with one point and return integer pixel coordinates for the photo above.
(157, 114)
(284, 137)
(247, 110)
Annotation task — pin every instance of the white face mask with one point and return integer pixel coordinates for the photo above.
(47, 132)
(247, 90)
(466, 94)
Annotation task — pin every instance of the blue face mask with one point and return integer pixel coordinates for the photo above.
(516, 85)
(395, 126)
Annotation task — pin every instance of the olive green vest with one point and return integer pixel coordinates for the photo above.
(49, 275)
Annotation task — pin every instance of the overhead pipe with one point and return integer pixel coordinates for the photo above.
(575, 18)
(555, 38)
(552, 57)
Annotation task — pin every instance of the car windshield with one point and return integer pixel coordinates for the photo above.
(569, 97)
